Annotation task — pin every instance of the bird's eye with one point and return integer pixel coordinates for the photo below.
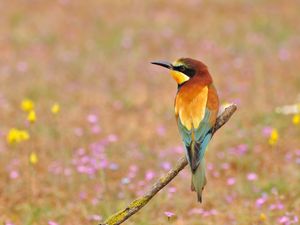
(182, 68)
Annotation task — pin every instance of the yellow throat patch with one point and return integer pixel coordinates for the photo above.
(178, 76)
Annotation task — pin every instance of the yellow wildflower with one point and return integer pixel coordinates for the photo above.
(31, 116)
(33, 158)
(55, 108)
(262, 217)
(23, 134)
(273, 139)
(296, 119)
(16, 136)
(27, 105)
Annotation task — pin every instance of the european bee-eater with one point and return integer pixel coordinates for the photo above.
(196, 109)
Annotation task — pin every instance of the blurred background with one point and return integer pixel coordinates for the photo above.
(87, 123)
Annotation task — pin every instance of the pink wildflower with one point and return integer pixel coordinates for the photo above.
(252, 176)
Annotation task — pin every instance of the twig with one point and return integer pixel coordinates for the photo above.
(140, 202)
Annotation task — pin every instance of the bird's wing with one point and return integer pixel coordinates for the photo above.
(195, 121)
(196, 139)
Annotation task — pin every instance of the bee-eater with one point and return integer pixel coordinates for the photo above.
(196, 109)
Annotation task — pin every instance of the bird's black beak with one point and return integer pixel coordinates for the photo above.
(163, 64)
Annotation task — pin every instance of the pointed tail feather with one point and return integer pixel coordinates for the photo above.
(199, 180)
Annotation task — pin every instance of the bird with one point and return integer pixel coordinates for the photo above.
(196, 108)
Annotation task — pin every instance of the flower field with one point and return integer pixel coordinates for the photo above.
(87, 123)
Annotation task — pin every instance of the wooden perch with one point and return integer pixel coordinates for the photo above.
(140, 202)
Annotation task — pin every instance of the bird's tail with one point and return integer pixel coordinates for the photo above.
(199, 180)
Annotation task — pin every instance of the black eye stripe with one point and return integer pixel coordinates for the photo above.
(187, 71)
(180, 68)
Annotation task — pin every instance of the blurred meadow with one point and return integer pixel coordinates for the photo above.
(87, 123)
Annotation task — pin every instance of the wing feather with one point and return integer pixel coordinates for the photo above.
(195, 118)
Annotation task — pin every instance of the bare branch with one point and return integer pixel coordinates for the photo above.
(140, 202)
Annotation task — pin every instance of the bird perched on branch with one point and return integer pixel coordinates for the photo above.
(196, 110)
